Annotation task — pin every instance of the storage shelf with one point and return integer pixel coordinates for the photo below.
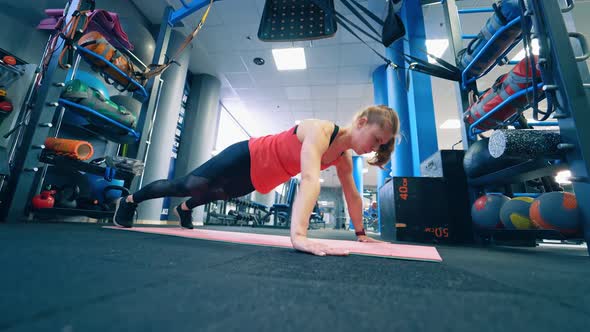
(465, 78)
(52, 212)
(11, 68)
(473, 126)
(528, 170)
(140, 89)
(130, 133)
(64, 162)
(548, 234)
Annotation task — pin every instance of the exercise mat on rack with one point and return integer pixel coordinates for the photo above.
(80, 93)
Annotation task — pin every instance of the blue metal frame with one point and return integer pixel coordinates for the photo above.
(475, 10)
(543, 123)
(422, 135)
(564, 79)
(534, 195)
(567, 76)
(26, 170)
(473, 132)
(187, 9)
(464, 79)
(456, 43)
(140, 89)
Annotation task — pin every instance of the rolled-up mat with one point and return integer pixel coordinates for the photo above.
(386, 250)
(75, 149)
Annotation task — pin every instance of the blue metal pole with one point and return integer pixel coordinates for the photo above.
(401, 161)
(380, 98)
(475, 10)
(380, 85)
(187, 9)
(357, 174)
(423, 137)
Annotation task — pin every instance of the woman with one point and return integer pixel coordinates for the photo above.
(263, 163)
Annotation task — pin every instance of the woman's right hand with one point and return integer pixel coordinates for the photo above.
(304, 244)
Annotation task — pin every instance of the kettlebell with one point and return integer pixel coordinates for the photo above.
(44, 200)
(66, 196)
(5, 104)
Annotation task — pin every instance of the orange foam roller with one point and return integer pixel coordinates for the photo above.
(80, 150)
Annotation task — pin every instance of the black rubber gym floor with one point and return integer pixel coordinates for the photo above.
(80, 277)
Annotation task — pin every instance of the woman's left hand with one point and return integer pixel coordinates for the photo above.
(364, 238)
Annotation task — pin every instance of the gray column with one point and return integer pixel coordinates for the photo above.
(266, 199)
(199, 132)
(158, 159)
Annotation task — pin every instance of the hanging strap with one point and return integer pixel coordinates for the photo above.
(445, 70)
(72, 31)
(440, 61)
(365, 10)
(360, 17)
(155, 69)
(387, 61)
(432, 69)
(341, 20)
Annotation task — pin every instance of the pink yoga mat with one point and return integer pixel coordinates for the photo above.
(387, 250)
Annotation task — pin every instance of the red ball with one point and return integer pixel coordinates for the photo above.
(485, 211)
(557, 211)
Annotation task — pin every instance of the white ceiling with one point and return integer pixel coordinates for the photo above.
(336, 84)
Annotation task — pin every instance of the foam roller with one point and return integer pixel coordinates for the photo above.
(75, 149)
(527, 143)
(478, 161)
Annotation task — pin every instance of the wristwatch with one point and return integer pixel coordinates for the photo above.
(361, 232)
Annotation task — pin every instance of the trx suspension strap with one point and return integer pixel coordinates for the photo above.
(155, 69)
(392, 30)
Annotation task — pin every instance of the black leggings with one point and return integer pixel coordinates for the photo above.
(225, 176)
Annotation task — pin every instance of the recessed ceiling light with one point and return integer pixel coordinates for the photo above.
(289, 58)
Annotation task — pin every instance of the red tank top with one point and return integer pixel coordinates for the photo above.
(275, 159)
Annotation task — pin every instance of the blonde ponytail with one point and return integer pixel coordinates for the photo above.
(381, 115)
